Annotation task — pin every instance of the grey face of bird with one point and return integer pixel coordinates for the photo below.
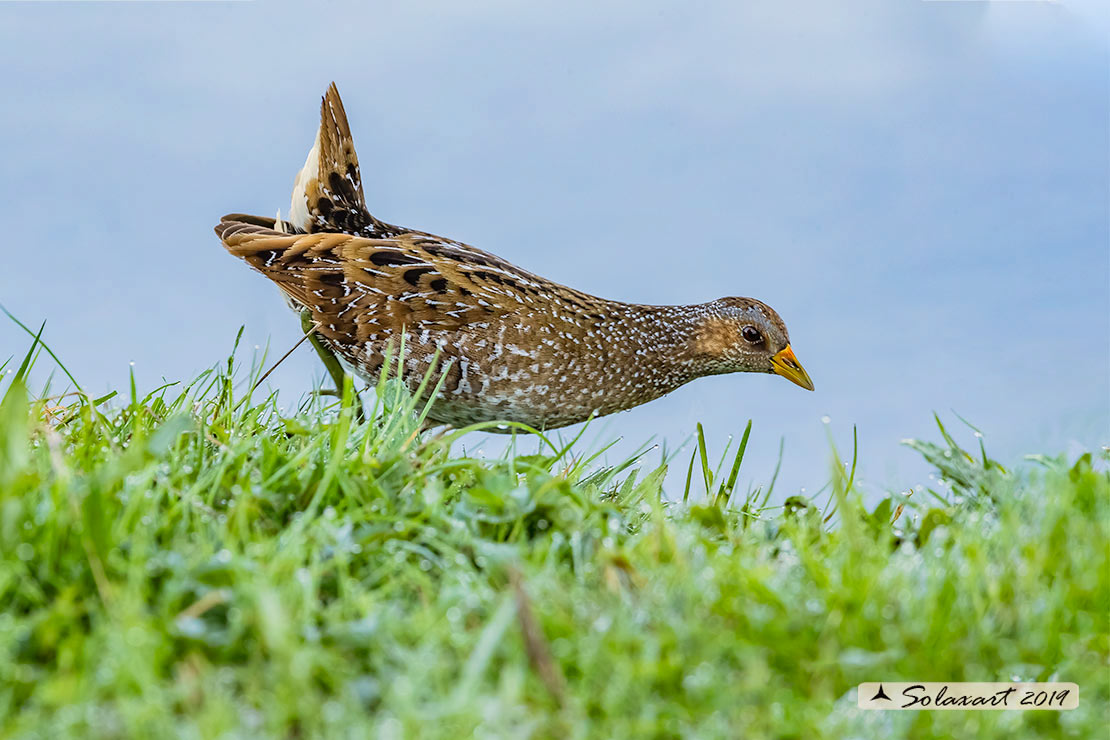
(746, 335)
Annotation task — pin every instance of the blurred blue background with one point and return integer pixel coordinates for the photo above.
(919, 188)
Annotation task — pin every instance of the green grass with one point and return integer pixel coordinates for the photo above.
(194, 562)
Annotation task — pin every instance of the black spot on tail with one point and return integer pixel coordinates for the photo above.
(340, 186)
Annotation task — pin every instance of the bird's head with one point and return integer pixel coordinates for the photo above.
(745, 335)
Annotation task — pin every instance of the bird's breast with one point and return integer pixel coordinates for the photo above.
(542, 371)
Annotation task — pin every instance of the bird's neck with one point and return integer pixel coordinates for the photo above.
(660, 344)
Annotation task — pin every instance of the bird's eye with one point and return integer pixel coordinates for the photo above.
(751, 335)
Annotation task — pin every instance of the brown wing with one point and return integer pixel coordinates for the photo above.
(360, 288)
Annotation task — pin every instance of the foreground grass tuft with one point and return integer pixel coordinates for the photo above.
(197, 563)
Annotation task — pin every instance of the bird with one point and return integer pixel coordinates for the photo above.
(502, 344)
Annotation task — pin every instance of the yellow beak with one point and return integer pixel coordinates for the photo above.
(787, 365)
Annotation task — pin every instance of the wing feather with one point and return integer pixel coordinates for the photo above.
(358, 287)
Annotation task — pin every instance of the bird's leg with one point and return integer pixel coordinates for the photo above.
(331, 364)
(428, 425)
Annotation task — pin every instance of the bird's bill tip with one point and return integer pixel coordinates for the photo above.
(787, 365)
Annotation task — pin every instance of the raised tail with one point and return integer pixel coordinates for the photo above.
(327, 192)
